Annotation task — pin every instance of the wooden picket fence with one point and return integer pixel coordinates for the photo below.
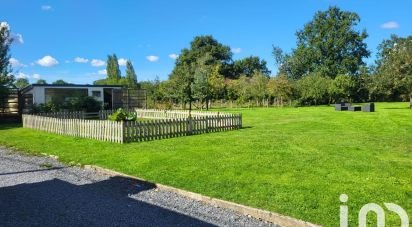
(161, 114)
(121, 132)
(94, 129)
(168, 128)
(64, 115)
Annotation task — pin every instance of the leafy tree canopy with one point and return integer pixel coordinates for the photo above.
(393, 76)
(60, 82)
(329, 45)
(131, 77)
(41, 81)
(248, 66)
(112, 69)
(21, 83)
(6, 78)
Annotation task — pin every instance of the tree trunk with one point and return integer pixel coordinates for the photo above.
(410, 101)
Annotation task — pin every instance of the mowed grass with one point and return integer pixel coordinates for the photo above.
(294, 161)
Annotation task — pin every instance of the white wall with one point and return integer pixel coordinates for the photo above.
(39, 95)
(91, 89)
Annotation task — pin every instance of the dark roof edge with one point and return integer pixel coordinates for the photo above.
(73, 85)
(28, 87)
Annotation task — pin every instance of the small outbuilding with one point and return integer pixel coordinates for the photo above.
(111, 96)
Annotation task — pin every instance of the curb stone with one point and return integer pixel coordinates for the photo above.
(282, 220)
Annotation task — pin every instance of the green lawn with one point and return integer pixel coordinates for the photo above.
(294, 161)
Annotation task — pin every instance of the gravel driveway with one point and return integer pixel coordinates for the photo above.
(40, 191)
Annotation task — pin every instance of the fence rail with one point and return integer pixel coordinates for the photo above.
(120, 132)
(64, 115)
(162, 114)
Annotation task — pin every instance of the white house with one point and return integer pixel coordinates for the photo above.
(109, 95)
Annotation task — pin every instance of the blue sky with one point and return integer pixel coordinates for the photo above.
(69, 39)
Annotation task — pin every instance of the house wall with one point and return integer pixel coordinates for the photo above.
(39, 94)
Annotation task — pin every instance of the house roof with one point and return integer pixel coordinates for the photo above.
(27, 88)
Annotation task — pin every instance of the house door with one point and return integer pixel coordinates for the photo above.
(107, 98)
(117, 98)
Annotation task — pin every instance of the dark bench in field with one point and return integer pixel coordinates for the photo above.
(355, 108)
(369, 107)
(342, 106)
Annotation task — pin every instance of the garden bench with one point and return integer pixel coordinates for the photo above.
(355, 108)
(369, 107)
(342, 106)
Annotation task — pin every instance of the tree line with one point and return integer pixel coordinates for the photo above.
(326, 66)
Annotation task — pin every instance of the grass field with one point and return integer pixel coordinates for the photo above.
(294, 161)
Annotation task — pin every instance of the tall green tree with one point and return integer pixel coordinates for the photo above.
(249, 66)
(342, 88)
(113, 70)
(259, 83)
(6, 78)
(41, 81)
(21, 82)
(329, 45)
(280, 88)
(217, 83)
(313, 89)
(187, 63)
(60, 82)
(243, 88)
(393, 76)
(131, 77)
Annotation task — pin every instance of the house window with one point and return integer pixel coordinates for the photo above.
(97, 94)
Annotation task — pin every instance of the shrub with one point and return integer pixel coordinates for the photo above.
(122, 115)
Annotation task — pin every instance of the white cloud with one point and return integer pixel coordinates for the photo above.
(47, 61)
(97, 62)
(16, 63)
(46, 7)
(81, 60)
(21, 75)
(102, 72)
(173, 56)
(122, 61)
(236, 50)
(27, 76)
(152, 58)
(18, 38)
(390, 25)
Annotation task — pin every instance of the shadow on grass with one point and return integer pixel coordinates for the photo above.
(396, 108)
(5, 126)
(104, 203)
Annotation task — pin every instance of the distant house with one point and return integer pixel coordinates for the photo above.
(110, 95)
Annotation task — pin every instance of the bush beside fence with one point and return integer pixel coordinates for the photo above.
(120, 132)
